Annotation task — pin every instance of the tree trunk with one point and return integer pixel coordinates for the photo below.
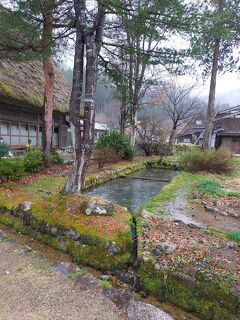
(75, 181)
(172, 135)
(211, 100)
(123, 117)
(87, 44)
(133, 126)
(212, 91)
(48, 104)
(48, 72)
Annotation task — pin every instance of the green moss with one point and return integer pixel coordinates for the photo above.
(7, 90)
(152, 281)
(208, 300)
(77, 274)
(106, 284)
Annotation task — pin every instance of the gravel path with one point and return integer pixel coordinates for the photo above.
(30, 289)
(37, 283)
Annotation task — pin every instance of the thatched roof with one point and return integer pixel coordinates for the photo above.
(23, 83)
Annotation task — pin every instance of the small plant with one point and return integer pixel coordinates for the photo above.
(116, 141)
(233, 195)
(77, 274)
(53, 158)
(4, 150)
(234, 236)
(83, 206)
(11, 169)
(33, 160)
(215, 161)
(106, 284)
(209, 187)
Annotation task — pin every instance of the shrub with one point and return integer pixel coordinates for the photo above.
(116, 141)
(181, 147)
(106, 155)
(56, 157)
(33, 160)
(216, 161)
(53, 158)
(4, 150)
(11, 169)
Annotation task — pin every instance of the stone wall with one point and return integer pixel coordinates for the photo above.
(94, 251)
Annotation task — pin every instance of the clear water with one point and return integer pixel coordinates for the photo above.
(132, 193)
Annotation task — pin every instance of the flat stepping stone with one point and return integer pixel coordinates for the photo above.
(88, 283)
(65, 268)
(139, 310)
(120, 297)
(2, 234)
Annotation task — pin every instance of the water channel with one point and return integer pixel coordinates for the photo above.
(136, 189)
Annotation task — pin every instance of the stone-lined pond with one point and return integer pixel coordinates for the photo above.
(134, 190)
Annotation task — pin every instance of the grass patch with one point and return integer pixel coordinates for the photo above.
(233, 236)
(183, 182)
(75, 275)
(106, 284)
(211, 187)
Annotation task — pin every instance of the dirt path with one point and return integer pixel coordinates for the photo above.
(35, 285)
(30, 289)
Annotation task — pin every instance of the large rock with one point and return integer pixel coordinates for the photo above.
(111, 248)
(139, 310)
(164, 247)
(65, 268)
(88, 283)
(2, 234)
(120, 297)
(99, 209)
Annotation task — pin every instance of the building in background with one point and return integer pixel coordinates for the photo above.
(226, 130)
(21, 105)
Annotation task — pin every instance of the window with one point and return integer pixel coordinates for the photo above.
(186, 140)
(5, 132)
(17, 134)
(5, 128)
(56, 137)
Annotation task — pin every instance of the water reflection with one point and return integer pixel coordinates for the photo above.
(131, 192)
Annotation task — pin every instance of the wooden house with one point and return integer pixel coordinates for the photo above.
(21, 105)
(226, 130)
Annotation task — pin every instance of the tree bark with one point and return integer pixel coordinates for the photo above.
(48, 72)
(88, 43)
(48, 104)
(211, 99)
(133, 127)
(212, 91)
(172, 135)
(75, 181)
(123, 117)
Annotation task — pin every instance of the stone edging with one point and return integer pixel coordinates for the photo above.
(124, 170)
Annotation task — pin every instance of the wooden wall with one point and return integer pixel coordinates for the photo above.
(34, 116)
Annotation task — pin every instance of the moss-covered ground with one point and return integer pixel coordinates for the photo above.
(56, 209)
(201, 272)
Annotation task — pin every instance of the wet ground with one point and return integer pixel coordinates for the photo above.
(134, 190)
(180, 209)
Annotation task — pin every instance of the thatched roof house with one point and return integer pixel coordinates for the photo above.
(21, 104)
